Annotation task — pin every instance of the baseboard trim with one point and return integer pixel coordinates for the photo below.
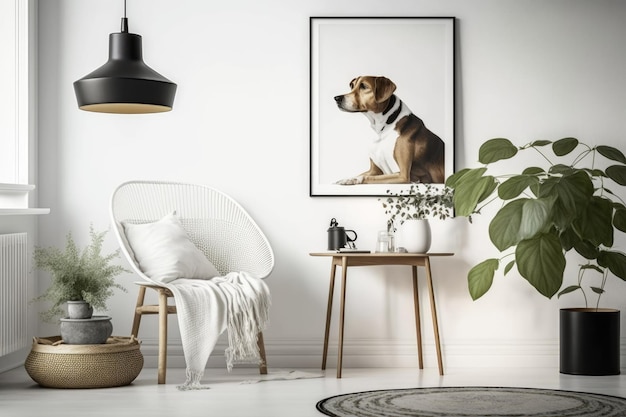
(359, 353)
(366, 353)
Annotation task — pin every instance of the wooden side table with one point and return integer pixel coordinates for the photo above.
(347, 259)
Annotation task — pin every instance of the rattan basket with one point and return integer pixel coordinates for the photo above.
(53, 364)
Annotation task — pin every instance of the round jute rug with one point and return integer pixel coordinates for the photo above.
(473, 402)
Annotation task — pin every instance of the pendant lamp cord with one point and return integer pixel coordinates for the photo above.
(124, 20)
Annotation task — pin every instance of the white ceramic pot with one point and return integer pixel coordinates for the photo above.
(414, 235)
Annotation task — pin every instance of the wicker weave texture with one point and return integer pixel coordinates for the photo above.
(114, 364)
(218, 225)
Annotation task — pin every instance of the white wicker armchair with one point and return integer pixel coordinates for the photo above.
(215, 223)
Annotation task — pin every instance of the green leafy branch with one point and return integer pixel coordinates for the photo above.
(420, 201)
(78, 275)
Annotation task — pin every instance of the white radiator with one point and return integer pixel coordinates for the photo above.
(13, 292)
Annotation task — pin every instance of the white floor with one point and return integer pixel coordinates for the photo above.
(20, 396)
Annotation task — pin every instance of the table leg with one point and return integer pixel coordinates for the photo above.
(434, 314)
(344, 276)
(329, 311)
(162, 359)
(418, 329)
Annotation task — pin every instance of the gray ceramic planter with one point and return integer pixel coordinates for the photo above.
(93, 331)
(79, 310)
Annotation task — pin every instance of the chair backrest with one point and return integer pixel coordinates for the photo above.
(215, 223)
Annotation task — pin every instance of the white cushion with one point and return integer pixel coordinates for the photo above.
(164, 251)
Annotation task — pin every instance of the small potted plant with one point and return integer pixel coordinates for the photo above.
(409, 211)
(559, 205)
(78, 278)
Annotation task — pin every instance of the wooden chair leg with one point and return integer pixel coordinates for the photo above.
(263, 365)
(163, 312)
(137, 318)
(162, 366)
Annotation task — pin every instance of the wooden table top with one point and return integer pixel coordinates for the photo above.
(380, 254)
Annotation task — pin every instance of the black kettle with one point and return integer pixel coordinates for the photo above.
(338, 236)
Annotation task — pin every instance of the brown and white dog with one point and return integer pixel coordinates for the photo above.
(405, 150)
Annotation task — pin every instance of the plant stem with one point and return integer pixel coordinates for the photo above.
(542, 154)
(583, 155)
(580, 285)
(604, 277)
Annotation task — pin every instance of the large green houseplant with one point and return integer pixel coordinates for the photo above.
(547, 212)
(86, 274)
(569, 201)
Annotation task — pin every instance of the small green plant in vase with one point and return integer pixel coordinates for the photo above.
(77, 275)
(418, 202)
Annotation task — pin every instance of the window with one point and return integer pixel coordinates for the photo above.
(14, 76)
(8, 77)
(17, 29)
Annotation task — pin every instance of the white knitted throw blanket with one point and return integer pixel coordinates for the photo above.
(237, 302)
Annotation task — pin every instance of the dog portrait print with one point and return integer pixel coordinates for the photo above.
(403, 149)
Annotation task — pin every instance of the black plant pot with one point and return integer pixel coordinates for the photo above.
(590, 341)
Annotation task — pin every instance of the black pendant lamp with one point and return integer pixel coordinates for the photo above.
(125, 84)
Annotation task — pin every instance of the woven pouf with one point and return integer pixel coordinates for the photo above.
(53, 364)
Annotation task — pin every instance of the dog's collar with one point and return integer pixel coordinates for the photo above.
(393, 116)
(383, 123)
(390, 104)
(394, 103)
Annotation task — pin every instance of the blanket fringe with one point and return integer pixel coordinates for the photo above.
(246, 319)
(193, 381)
(238, 303)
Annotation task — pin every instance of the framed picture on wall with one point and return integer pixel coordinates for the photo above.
(382, 103)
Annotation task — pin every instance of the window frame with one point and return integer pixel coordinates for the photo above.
(16, 196)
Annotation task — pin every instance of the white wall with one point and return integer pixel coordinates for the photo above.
(526, 69)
